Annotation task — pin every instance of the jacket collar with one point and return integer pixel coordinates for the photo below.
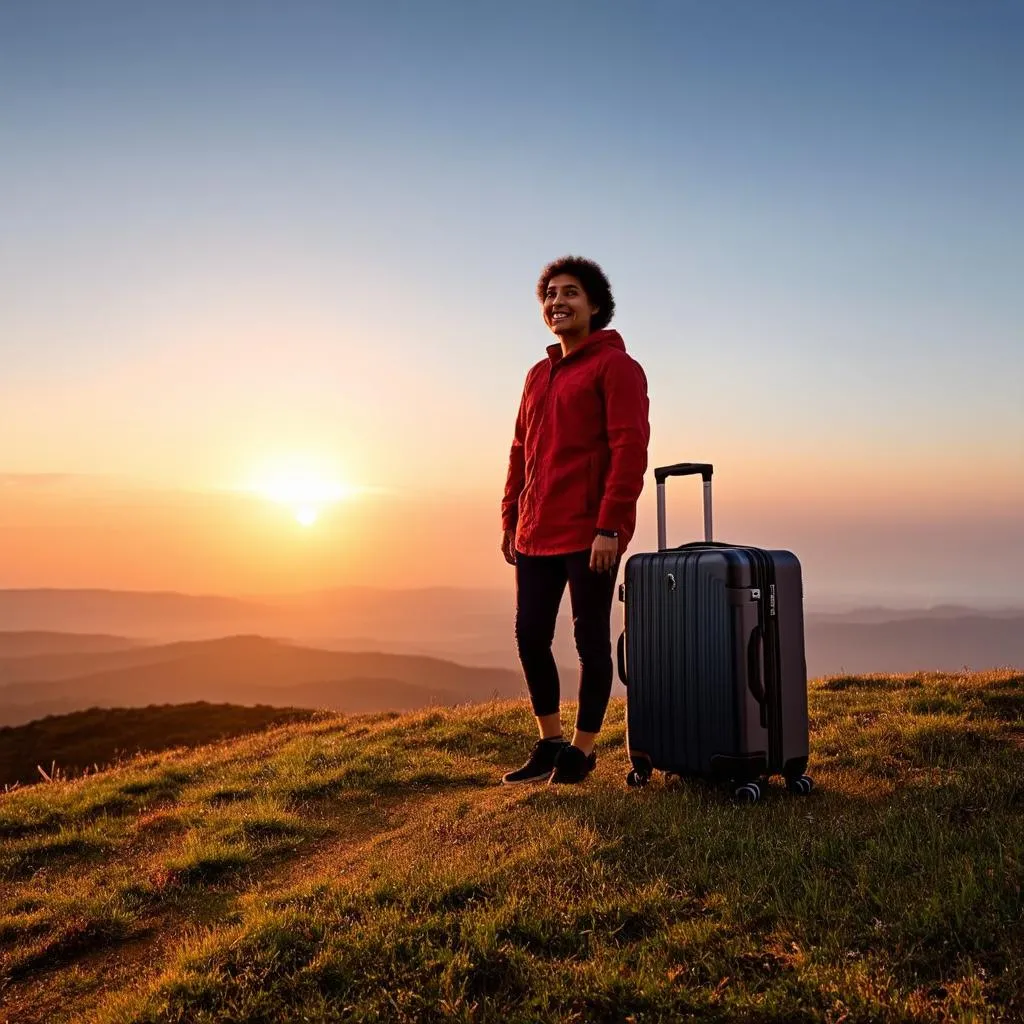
(592, 341)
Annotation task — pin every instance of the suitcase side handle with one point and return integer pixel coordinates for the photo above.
(621, 657)
(755, 673)
(662, 473)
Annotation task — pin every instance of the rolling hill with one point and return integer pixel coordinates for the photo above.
(67, 745)
(368, 868)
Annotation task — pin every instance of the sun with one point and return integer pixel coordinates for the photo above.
(303, 486)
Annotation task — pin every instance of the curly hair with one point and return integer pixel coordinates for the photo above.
(594, 282)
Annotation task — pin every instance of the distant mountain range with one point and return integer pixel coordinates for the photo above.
(242, 670)
(362, 649)
(470, 626)
(908, 644)
(29, 644)
(157, 614)
(939, 613)
(135, 614)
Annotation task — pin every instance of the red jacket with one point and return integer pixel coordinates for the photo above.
(579, 451)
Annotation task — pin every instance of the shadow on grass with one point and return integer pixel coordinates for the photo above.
(75, 939)
(1005, 702)
(39, 817)
(358, 781)
(834, 684)
(30, 856)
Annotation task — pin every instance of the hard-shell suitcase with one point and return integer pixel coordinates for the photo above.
(712, 658)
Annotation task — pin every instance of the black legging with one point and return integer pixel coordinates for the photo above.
(540, 584)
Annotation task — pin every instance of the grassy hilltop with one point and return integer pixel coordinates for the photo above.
(86, 740)
(369, 869)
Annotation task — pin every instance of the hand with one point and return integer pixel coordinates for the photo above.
(508, 546)
(604, 553)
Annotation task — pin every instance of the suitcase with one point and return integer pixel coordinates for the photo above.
(712, 659)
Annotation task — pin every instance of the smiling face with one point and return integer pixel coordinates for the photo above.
(567, 310)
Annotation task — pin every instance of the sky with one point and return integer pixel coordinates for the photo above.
(242, 239)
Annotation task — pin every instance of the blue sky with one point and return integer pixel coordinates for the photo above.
(234, 228)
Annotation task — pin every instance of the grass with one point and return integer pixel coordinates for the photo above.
(368, 869)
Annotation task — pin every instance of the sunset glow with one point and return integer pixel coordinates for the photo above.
(302, 485)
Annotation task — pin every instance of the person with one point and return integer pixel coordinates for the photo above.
(575, 473)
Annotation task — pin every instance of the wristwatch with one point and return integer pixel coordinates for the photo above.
(608, 533)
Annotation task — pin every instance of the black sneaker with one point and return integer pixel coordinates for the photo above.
(540, 764)
(572, 765)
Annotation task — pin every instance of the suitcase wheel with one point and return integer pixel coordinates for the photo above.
(636, 779)
(801, 784)
(748, 793)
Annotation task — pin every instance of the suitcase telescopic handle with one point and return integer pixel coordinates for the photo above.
(705, 469)
(662, 473)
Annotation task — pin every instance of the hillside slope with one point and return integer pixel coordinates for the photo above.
(369, 869)
(68, 745)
